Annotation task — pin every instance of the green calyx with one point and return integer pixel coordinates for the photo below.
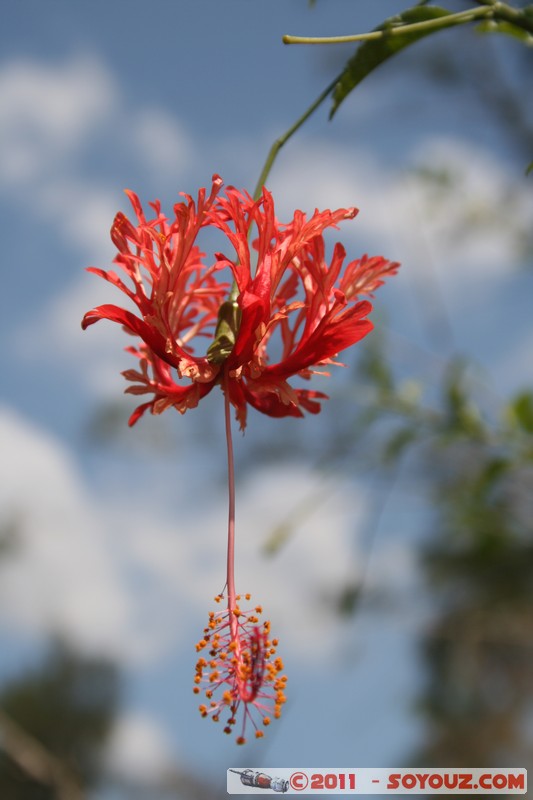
(229, 320)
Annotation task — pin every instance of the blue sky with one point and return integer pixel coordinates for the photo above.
(123, 545)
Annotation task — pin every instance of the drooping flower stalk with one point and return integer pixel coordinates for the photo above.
(230, 569)
(241, 668)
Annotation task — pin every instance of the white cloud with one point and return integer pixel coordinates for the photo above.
(139, 751)
(130, 578)
(320, 554)
(180, 559)
(81, 212)
(95, 358)
(50, 116)
(471, 210)
(78, 569)
(47, 113)
(455, 219)
(53, 117)
(161, 142)
(466, 222)
(60, 577)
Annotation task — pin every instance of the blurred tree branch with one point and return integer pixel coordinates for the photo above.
(36, 761)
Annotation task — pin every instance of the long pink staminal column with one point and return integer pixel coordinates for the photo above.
(242, 660)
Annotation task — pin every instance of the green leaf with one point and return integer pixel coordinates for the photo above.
(490, 474)
(371, 54)
(398, 443)
(522, 411)
(527, 13)
(529, 168)
(501, 26)
(374, 367)
(462, 416)
(348, 599)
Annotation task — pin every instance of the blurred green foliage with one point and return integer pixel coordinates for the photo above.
(55, 721)
(477, 562)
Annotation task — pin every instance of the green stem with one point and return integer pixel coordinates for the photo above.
(278, 144)
(431, 24)
(507, 13)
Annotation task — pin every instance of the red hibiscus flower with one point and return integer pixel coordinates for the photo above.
(284, 312)
(295, 303)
